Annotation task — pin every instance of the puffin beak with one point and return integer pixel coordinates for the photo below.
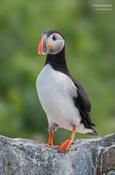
(40, 46)
(42, 49)
(44, 46)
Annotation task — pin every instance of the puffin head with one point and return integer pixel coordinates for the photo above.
(52, 42)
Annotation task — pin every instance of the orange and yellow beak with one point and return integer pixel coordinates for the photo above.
(43, 46)
(40, 46)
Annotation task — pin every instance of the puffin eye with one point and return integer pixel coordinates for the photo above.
(54, 38)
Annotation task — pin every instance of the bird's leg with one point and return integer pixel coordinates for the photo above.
(50, 139)
(67, 143)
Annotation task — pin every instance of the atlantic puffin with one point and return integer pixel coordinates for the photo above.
(62, 97)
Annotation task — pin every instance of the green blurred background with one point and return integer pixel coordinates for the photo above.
(90, 52)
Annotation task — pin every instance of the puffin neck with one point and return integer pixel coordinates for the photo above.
(58, 61)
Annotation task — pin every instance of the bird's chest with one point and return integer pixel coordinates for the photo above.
(51, 85)
(54, 89)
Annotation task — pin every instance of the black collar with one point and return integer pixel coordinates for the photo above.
(58, 62)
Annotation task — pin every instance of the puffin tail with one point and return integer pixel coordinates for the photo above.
(93, 133)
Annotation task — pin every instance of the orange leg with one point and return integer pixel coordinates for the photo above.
(67, 143)
(50, 139)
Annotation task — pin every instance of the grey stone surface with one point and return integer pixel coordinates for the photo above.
(85, 157)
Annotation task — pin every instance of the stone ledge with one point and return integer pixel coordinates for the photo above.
(85, 157)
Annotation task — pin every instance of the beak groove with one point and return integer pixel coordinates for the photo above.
(40, 46)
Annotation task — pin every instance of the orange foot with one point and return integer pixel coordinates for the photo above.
(50, 139)
(50, 144)
(65, 145)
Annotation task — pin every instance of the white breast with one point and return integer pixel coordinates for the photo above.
(55, 91)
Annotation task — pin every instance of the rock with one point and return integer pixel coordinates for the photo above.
(85, 157)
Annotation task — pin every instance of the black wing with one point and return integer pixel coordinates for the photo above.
(82, 102)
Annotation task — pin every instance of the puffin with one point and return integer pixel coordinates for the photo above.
(61, 96)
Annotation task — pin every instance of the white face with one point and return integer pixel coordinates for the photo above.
(54, 43)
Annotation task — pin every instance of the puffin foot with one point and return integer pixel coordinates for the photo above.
(65, 145)
(50, 144)
(50, 139)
